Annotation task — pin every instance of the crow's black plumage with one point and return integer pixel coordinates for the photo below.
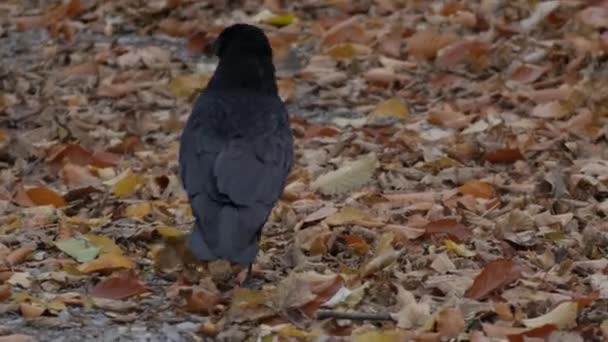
(236, 149)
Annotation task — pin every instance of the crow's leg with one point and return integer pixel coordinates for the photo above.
(248, 282)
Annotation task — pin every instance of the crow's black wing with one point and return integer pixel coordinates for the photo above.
(253, 170)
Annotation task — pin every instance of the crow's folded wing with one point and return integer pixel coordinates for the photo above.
(197, 155)
(253, 170)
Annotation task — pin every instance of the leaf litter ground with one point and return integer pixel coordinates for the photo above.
(450, 179)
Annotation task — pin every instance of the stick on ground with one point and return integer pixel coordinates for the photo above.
(354, 316)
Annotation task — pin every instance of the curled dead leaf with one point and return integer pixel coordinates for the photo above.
(350, 176)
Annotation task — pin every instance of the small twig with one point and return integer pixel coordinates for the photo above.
(354, 316)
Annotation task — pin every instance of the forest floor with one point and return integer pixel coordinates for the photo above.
(451, 175)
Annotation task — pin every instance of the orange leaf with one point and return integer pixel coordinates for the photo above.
(495, 275)
(541, 332)
(356, 243)
(125, 285)
(315, 131)
(477, 188)
(44, 196)
(202, 301)
(503, 155)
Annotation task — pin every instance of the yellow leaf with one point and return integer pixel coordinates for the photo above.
(106, 262)
(125, 184)
(138, 210)
(346, 215)
(477, 188)
(280, 20)
(377, 335)
(169, 232)
(56, 305)
(104, 243)
(563, 316)
(459, 249)
(392, 107)
(247, 297)
(186, 85)
(292, 332)
(342, 51)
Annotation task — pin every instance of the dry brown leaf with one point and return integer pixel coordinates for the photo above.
(426, 44)
(450, 322)
(495, 275)
(504, 155)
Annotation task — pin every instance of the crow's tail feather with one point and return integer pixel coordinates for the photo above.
(224, 231)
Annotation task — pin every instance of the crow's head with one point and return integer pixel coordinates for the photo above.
(242, 39)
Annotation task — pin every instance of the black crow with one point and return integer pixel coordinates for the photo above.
(236, 149)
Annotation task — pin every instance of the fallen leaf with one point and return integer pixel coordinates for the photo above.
(458, 249)
(495, 275)
(563, 316)
(280, 20)
(450, 322)
(44, 196)
(50, 17)
(383, 257)
(412, 314)
(350, 215)
(477, 188)
(188, 84)
(393, 107)
(104, 243)
(348, 177)
(121, 286)
(17, 338)
(125, 184)
(541, 332)
(31, 311)
(504, 155)
(448, 227)
(106, 261)
(426, 44)
(527, 73)
(138, 210)
(5, 292)
(78, 249)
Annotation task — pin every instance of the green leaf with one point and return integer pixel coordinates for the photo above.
(78, 249)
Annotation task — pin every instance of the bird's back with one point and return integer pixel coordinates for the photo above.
(235, 154)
